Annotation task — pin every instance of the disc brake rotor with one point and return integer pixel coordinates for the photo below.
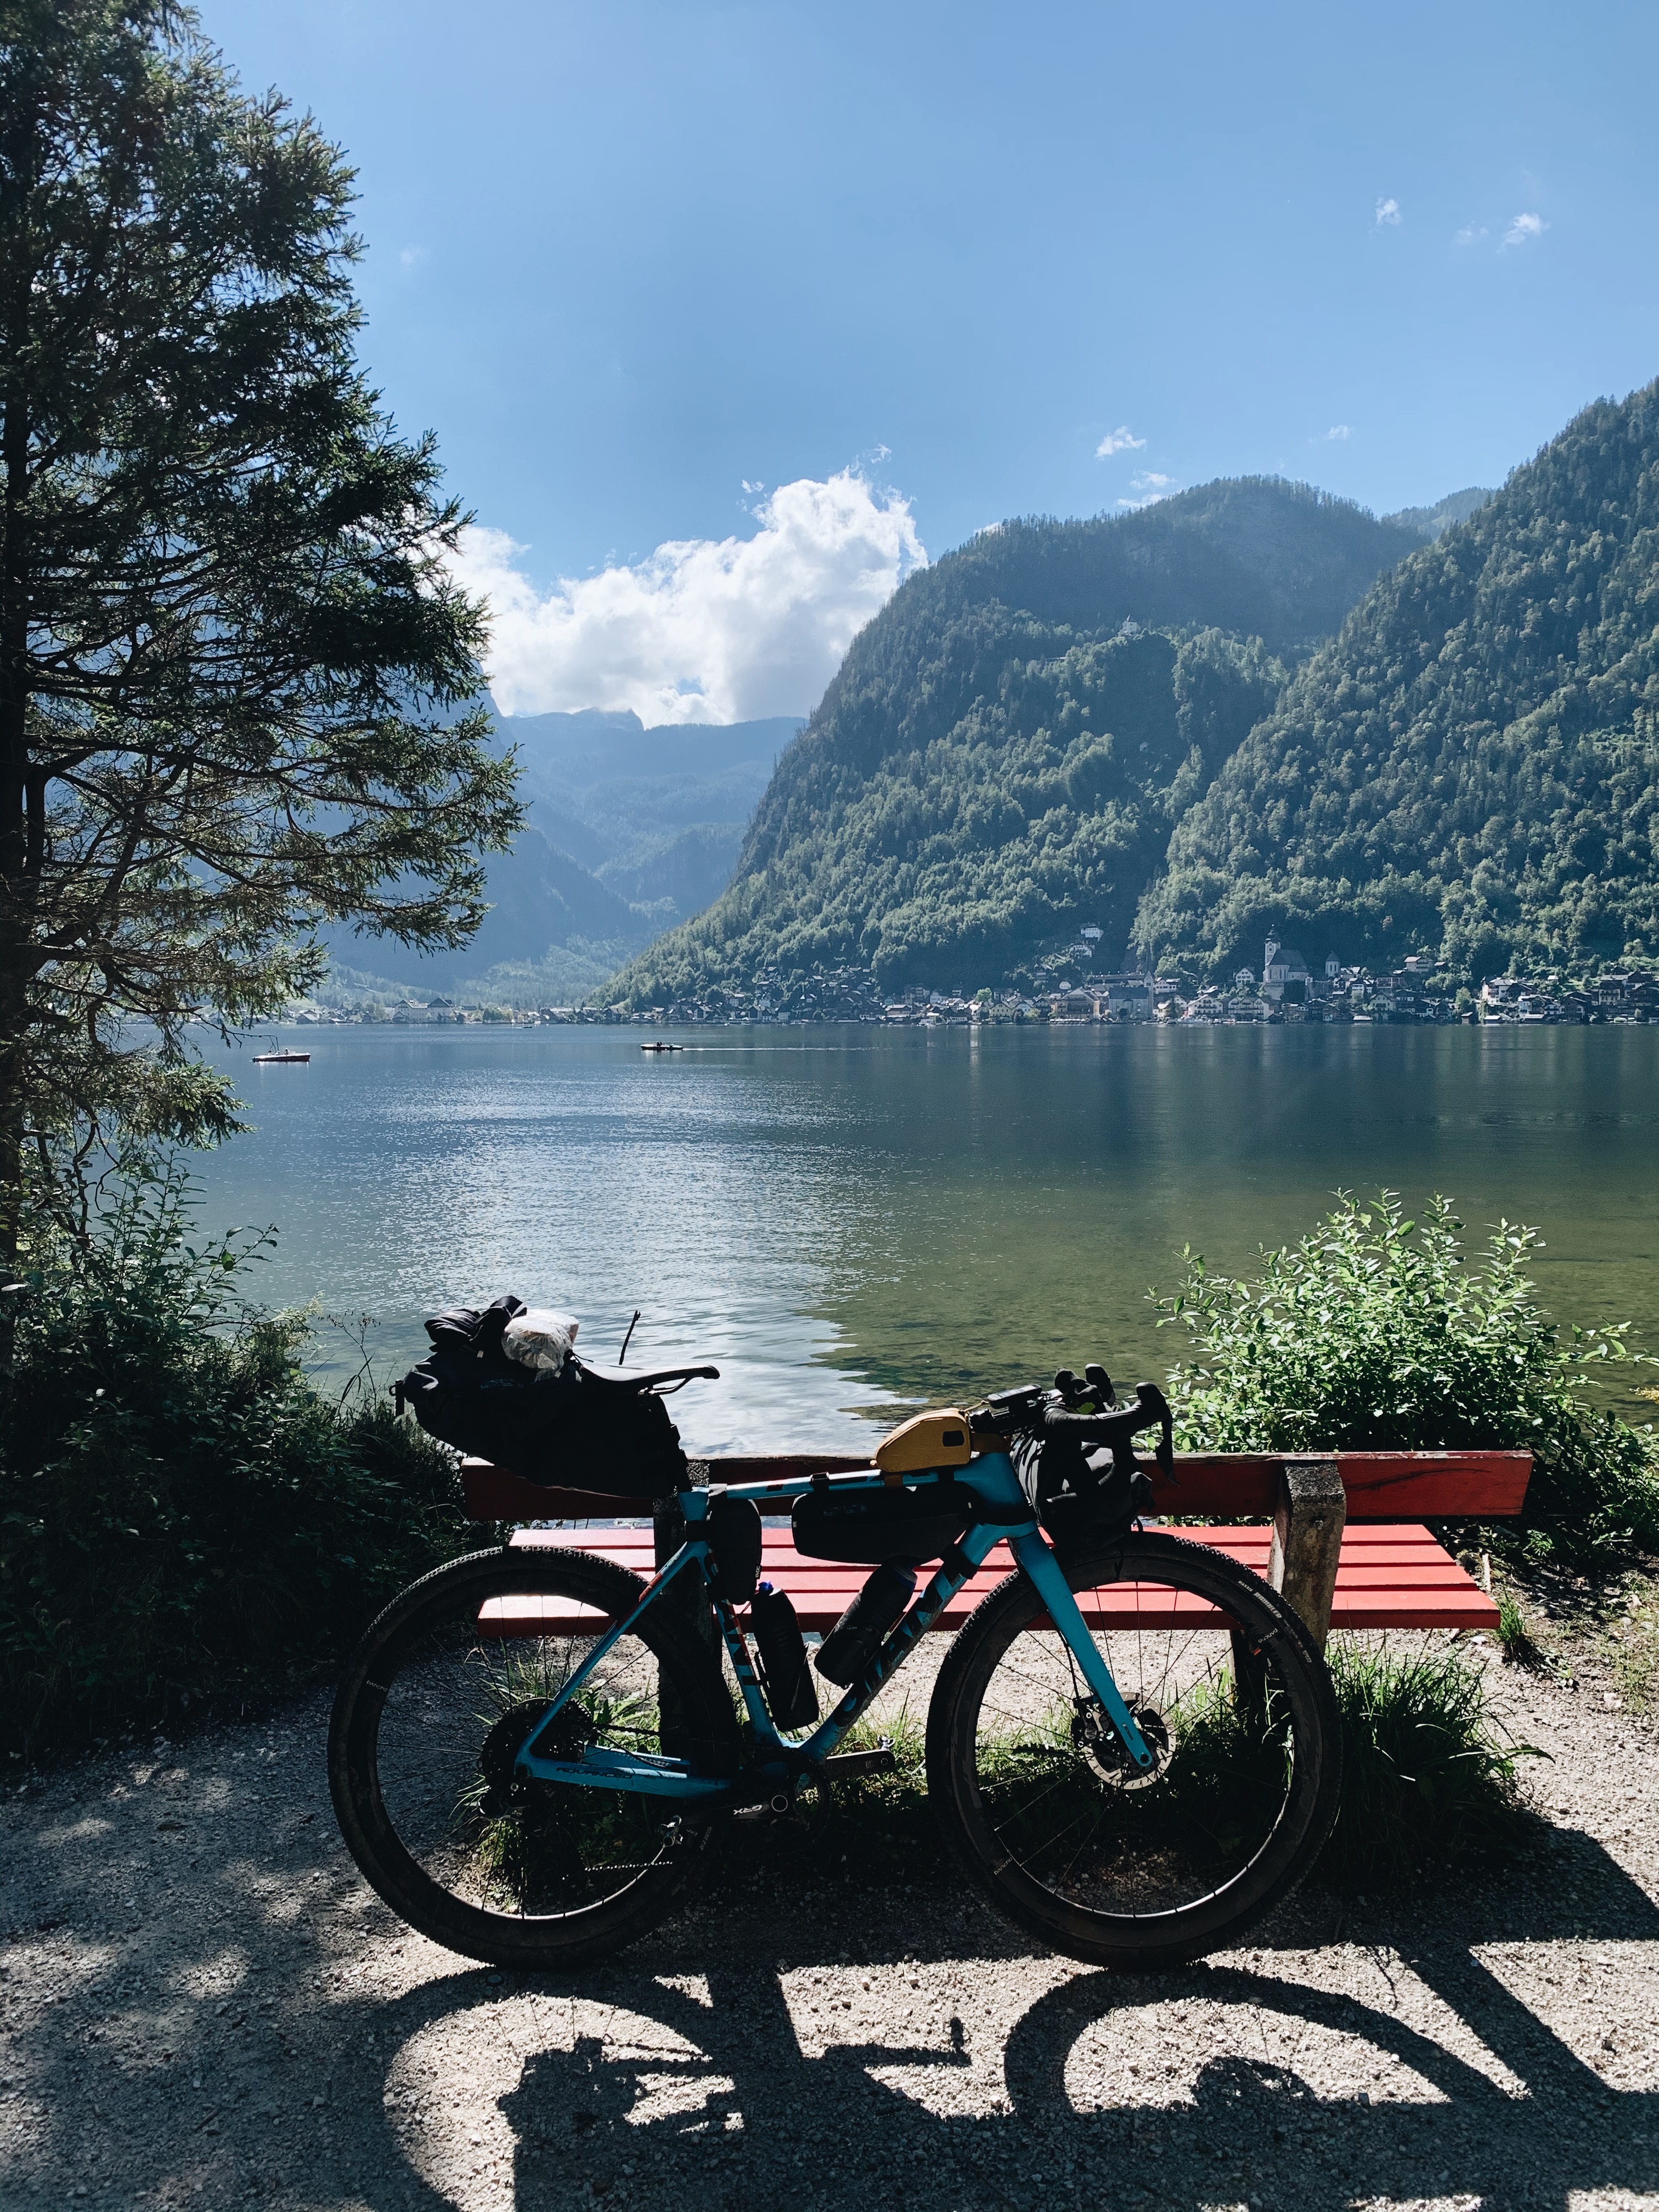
(1103, 1749)
(504, 1786)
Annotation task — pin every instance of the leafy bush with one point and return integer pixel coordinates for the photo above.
(182, 1516)
(1427, 1779)
(1376, 1331)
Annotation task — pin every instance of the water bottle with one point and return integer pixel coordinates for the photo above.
(856, 1637)
(782, 1650)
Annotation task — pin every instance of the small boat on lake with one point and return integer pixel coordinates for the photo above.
(660, 1047)
(281, 1059)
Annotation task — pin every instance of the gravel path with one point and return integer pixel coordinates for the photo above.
(204, 2007)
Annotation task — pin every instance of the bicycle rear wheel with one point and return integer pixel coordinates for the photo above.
(1038, 1803)
(443, 1690)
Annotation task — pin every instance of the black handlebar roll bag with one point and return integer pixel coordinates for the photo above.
(1080, 1488)
(575, 1429)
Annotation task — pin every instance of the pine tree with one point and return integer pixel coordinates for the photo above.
(234, 675)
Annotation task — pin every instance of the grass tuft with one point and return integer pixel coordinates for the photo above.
(1430, 1779)
(1514, 1637)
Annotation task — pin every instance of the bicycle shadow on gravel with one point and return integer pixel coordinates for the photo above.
(653, 2083)
(722, 2076)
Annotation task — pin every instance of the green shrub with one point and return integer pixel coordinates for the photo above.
(182, 1516)
(1428, 1779)
(1376, 1331)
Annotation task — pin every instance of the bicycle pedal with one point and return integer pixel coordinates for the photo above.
(878, 1761)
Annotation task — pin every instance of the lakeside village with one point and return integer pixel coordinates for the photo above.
(1287, 990)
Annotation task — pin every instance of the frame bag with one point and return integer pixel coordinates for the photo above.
(865, 1527)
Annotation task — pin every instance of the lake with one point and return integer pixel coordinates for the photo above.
(850, 1220)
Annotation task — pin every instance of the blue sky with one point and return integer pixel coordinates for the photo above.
(917, 263)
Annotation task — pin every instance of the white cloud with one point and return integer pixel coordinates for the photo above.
(411, 256)
(1524, 229)
(1470, 234)
(1150, 486)
(1336, 435)
(1121, 440)
(702, 630)
(1387, 211)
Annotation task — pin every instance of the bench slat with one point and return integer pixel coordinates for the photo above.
(1380, 1486)
(1465, 1485)
(1388, 1577)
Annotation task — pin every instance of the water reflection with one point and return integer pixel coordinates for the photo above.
(852, 1218)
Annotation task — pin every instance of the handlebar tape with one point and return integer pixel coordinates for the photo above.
(1115, 1429)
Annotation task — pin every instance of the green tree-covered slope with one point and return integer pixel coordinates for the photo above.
(1472, 766)
(1002, 755)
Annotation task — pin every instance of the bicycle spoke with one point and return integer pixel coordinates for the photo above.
(1063, 1800)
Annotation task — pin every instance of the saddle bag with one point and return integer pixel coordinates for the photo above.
(863, 1526)
(574, 1428)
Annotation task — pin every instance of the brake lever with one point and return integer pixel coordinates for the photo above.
(1155, 1402)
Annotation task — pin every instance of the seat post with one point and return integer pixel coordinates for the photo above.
(687, 1594)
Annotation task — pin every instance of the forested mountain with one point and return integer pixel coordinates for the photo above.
(1470, 767)
(1003, 754)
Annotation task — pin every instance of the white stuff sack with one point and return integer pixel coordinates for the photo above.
(540, 1339)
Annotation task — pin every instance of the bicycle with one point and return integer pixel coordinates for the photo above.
(533, 1750)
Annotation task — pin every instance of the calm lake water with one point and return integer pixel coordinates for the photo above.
(850, 1220)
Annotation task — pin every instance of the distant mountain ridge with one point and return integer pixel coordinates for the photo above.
(1007, 745)
(631, 830)
(1434, 521)
(658, 813)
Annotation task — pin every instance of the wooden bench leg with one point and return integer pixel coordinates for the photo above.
(1313, 1510)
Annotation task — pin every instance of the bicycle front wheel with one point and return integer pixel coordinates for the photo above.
(1039, 1804)
(438, 1698)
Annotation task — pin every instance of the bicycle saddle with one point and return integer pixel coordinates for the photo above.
(635, 1379)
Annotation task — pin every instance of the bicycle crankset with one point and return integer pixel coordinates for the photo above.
(800, 1795)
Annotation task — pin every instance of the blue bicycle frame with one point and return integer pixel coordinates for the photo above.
(1008, 1515)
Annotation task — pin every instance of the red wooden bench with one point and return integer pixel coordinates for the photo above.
(1334, 1544)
